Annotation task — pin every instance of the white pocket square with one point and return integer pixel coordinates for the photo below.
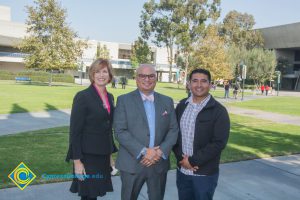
(164, 113)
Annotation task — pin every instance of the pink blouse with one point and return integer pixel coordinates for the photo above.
(104, 99)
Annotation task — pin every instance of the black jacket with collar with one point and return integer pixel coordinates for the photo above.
(211, 135)
(90, 125)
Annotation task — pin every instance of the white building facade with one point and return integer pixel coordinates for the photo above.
(11, 59)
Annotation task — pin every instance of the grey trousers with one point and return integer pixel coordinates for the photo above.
(133, 183)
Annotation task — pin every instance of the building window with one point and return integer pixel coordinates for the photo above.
(124, 54)
(296, 67)
(297, 55)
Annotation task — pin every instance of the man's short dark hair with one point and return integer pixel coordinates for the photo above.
(201, 71)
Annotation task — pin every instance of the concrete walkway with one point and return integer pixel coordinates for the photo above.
(274, 117)
(21, 122)
(274, 178)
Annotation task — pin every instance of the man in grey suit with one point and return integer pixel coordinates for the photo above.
(146, 128)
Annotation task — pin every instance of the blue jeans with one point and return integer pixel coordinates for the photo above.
(196, 187)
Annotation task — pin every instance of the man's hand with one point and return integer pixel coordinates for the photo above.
(158, 155)
(186, 164)
(152, 156)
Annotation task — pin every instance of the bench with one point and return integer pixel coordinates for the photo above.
(27, 79)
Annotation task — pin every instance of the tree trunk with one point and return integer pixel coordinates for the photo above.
(50, 79)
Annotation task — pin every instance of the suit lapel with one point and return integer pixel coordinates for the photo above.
(111, 103)
(98, 99)
(140, 105)
(158, 112)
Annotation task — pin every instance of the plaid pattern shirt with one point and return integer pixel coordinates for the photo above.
(187, 127)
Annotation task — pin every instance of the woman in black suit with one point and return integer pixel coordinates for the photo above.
(91, 140)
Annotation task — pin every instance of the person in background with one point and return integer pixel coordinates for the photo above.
(235, 91)
(226, 88)
(267, 88)
(262, 89)
(91, 140)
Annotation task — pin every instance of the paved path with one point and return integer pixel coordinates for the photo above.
(276, 178)
(274, 117)
(21, 122)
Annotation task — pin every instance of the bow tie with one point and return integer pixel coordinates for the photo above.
(148, 98)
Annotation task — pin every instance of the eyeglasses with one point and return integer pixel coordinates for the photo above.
(202, 81)
(144, 76)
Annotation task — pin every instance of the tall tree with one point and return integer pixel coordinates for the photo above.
(210, 54)
(193, 15)
(238, 29)
(140, 52)
(51, 43)
(159, 24)
(102, 51)
(236, 56)
(260, 64)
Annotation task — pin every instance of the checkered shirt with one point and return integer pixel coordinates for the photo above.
(187, 127)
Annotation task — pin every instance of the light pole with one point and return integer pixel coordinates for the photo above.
(81, 72)
(278, 73)
(244, 73)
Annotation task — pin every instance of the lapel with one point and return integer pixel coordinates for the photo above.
(112, 105)
(158, 112)
(99, 102)
(140, 105)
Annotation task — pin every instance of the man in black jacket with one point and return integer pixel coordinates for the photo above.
(204, 131)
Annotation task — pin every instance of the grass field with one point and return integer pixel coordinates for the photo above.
(282, 105)
(44, 151)
(16, 97)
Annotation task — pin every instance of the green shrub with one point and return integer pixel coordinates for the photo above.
(40, 76)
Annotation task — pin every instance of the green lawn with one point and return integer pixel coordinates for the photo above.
(282, 105)
(18, 97)
(44, 151)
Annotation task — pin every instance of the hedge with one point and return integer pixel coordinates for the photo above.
(40, 76)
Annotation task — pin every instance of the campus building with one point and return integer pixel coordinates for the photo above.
(285, 41)
(11, 59)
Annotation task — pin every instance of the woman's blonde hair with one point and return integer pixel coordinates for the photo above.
(100, 63)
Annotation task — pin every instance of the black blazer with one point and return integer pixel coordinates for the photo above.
(90, 125)
(211, 135)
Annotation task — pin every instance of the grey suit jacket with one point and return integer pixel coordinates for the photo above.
(132, 131)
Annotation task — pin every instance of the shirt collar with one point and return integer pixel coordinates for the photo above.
(205, 100)
(150, 97)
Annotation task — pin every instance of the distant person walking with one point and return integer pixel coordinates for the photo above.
(123, 82)
(226, 87)
(113, 82)
(235, 91)
(267, 88)
(262, 88)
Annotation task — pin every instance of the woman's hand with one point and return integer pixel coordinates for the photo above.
(79, 170)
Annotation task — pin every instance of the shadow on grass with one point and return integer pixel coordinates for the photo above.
(17, 109)
(38, 83)
(50, 107)
(247, 143)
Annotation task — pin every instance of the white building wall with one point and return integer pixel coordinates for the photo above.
(161, 56)
(113, 48)
(11, 34)
(5, 13)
